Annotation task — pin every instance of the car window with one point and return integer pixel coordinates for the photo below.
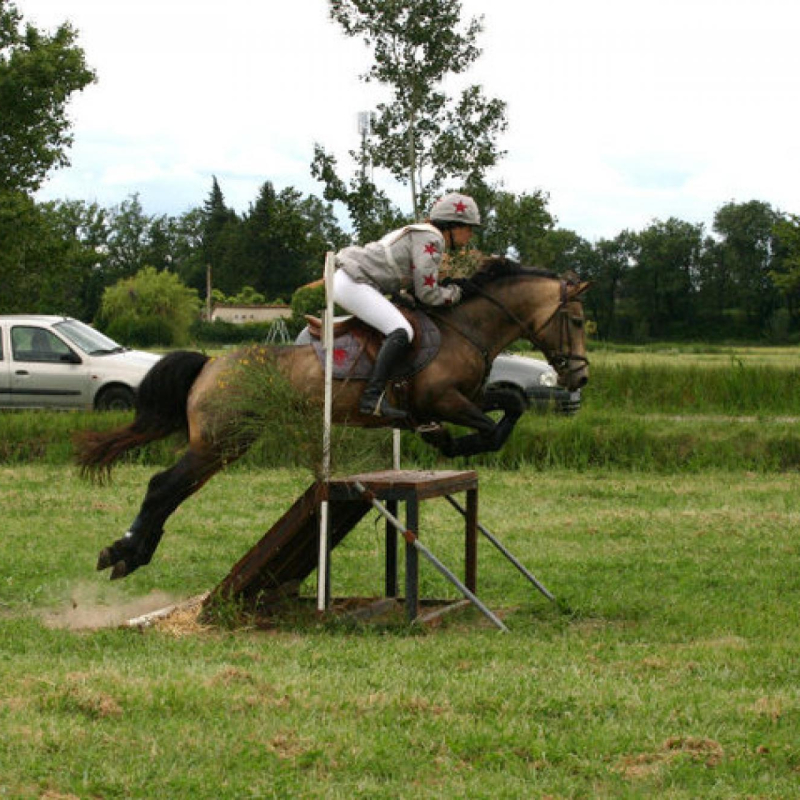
(38, 345)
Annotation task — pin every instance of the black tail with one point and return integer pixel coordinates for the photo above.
(160, 411)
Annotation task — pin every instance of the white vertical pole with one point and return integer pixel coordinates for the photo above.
(324, 524)
(396, 449)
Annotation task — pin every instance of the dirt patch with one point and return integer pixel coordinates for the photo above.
(179, 619)
(696, 749)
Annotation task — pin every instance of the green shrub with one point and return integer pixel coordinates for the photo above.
(140, 331)
(152, 295)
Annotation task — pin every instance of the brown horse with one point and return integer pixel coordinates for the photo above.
(504, 302)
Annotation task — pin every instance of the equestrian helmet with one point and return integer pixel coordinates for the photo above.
(458, 208)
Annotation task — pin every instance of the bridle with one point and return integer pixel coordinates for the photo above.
(563, 360)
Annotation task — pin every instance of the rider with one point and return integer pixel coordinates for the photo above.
(408, 258)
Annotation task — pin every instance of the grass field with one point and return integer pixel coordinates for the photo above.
(664, 517)
(668, 668)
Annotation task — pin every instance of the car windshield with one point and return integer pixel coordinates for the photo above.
(87, 339)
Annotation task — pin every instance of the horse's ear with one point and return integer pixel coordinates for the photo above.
(577, 289)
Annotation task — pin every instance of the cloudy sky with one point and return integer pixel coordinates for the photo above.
(623, 111)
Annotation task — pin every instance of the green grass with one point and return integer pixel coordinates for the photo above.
(664, 517)
(669, 667)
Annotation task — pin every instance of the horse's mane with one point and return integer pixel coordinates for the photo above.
(496, 268)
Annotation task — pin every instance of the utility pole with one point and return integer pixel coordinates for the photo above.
(208, 293)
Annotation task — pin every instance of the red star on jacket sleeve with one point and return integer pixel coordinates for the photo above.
(431, 248)
(430, 280)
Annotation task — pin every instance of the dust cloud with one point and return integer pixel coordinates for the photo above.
(91, 607)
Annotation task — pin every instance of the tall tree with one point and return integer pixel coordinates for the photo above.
(745, 256)
(661, 280)
(515, 225)
(423, 137)
(39, 73)
(221, 233)
(785, 272)
(51, 256)
(607, 269)
(285, 239)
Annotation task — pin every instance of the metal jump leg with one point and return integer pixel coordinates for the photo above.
(413, 540)
(499, 545)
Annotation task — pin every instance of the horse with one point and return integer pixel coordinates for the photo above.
(502, 302)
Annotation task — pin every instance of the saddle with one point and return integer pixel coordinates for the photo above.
(356, 345)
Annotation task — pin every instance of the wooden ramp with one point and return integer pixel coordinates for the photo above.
(289, 551)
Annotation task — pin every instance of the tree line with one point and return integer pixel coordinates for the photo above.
(670, 280)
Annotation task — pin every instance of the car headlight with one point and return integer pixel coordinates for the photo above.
(549, 379)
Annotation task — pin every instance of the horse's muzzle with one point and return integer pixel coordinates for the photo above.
(575, 375)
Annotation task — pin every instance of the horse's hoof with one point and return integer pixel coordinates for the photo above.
(120, 571)
(104, 559)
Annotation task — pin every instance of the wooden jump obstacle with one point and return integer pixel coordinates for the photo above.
(288, 553)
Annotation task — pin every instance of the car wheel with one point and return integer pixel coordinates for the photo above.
(116, 398)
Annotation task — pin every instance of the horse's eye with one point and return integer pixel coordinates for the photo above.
(577, 321)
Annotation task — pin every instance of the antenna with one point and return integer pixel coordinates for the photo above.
(365, 120)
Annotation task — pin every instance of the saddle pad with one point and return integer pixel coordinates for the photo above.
(353, 351)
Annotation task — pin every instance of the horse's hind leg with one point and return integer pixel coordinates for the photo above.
(165, 492)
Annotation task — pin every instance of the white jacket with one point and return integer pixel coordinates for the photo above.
(408, 258)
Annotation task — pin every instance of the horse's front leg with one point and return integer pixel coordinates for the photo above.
(490, 436)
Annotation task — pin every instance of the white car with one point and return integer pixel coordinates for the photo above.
(59, 362)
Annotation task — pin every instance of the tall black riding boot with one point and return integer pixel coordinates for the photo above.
(373, 399)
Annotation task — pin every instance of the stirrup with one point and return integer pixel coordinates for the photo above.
(382, 408)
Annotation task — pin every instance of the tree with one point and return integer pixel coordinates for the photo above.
(370, 210)
(422, 136)
(285, 237)
(74, 270)
(49, 256)
(151, 307)
(661, 279)
(515, 224)
(744, 255)
(220, 243)
(38, 75)
(607, 269)
(785, 272)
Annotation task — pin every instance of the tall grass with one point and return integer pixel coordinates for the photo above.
(638, 415)
(736, 388)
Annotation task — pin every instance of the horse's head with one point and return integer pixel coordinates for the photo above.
(562, 337)
(549, 313)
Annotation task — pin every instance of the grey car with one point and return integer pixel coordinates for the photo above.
(536, 380)
(60, 362)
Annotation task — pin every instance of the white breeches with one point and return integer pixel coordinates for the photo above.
(368, 304)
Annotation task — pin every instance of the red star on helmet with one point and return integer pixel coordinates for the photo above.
(431, 248)
(460, 207)
(430, 280)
